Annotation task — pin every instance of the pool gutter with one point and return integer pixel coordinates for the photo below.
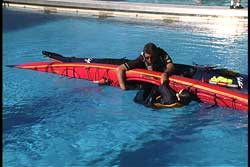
(133, 10)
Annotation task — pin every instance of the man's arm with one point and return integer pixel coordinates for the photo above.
(169, 69)
(120, 71)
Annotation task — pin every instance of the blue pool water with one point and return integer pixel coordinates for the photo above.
(50, 120)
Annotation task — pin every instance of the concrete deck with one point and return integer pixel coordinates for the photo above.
(133, 10)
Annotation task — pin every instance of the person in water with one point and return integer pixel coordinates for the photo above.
(163, 96)
(152, 58)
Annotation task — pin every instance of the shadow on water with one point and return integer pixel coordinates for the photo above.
(18, 119)
(17, 20)
(160, 152)
(32, 111)
(28, 113)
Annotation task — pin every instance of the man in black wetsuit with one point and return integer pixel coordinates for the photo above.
(162, 96)
(152, 58)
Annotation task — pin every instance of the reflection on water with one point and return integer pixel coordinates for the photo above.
(218, 28)
(228, 29)
(222, 43)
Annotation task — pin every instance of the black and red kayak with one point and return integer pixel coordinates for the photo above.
(208, 84)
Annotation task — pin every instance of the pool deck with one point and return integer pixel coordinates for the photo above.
(133, 10)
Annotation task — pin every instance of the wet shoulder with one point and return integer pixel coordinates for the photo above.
(162, 51)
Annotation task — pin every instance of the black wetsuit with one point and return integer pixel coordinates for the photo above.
(148, 97)
(159, 64)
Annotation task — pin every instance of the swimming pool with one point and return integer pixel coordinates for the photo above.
(49, 120)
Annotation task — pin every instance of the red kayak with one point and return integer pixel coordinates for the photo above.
(203, 90)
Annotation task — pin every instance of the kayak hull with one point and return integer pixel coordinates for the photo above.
(204, 92)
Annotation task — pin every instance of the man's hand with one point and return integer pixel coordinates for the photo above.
(165, 74)
(120, 71)
(164, 77)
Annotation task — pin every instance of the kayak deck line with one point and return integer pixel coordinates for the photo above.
(156, 75)
(245, 99)
(151, 11)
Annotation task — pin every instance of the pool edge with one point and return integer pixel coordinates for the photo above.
(132, 10)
